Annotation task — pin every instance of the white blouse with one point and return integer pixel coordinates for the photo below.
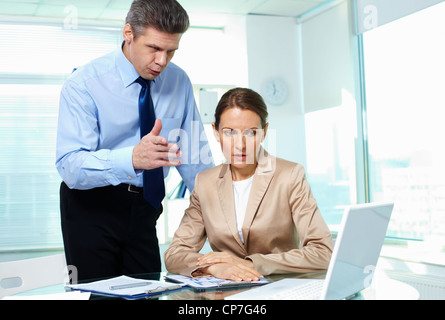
(241, 191)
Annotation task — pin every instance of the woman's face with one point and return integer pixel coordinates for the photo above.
(240, 134)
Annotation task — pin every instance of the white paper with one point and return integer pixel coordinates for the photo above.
(212, 282)
(104, 286)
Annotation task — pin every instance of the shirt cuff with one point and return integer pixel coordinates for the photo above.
(122, 165)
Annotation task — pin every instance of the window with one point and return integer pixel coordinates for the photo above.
(330, 153)
(330, 112)
(29, 202)
(34, 61)
(405, 80)
(397, 154)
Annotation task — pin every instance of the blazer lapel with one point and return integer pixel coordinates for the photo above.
(225, 194)
(261, 181)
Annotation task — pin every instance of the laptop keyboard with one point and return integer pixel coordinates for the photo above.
(308, 291)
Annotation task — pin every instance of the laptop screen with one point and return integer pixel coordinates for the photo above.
(357, 249)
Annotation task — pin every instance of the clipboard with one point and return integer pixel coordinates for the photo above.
(126, 287)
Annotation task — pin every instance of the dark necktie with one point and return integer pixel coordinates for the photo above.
(154, 190)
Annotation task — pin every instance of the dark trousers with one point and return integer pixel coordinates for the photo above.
(108, 232)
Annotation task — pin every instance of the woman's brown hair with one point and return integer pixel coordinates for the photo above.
(242, 98)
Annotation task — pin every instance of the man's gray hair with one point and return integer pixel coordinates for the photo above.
(164, 15)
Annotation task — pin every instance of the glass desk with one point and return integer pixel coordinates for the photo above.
(188, 293)
(382, 288)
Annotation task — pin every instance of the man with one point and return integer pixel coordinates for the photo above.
(105, 158)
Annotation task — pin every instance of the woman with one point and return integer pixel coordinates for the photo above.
(257, 211)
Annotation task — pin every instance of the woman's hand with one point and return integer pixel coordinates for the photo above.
(227, 266)
(221, 257)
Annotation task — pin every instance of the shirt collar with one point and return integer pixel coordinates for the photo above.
(126, 69)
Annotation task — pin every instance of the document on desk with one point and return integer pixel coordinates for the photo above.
(126, 287)
(212, 282)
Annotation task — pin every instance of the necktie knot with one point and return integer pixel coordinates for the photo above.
(144, 83)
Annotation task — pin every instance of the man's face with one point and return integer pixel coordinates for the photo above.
(151, 51)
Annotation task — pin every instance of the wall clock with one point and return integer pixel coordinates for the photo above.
(275, 91)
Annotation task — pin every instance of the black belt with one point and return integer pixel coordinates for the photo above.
(130, 188)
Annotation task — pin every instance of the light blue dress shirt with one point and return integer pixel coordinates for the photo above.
(99, 123)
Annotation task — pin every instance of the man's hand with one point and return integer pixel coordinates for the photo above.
(154, 151)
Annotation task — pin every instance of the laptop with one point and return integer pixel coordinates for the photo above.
(356, 251)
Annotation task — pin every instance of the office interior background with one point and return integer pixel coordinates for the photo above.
(362, 108)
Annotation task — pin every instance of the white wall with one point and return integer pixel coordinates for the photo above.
(273, 51)
(216, 54)
(314, 57)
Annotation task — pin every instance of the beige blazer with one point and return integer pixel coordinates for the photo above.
(283, 229)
